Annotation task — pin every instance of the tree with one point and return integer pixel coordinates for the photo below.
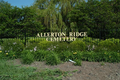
(4, 18)
(13, 20)
(27, 21)
(93, 16)
(54, 13)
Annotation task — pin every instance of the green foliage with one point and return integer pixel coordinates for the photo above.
(9, 71)
(77, 55)
(36, 40)
(14, 21)
(106, 44)
(32, 46)
(102, 63)
(77, 46)
(57, 13)
(13, 45)
(96, 17)
(52, 59)
(1, 41)
(87, 39)
(108, 56)
(2, 55)
(27, 57)
(45, 44)
(116, 41)
(48, 74)
(10, 55)
(66, 55)
(41, 55)
(78, 62)
(61, 46)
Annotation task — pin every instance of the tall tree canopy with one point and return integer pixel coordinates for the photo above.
(97, 17)
(13, 19)
(62, 15)
(54, 13)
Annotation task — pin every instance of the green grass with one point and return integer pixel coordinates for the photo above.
(11, 72)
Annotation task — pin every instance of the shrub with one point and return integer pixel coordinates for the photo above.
(45, 44)
(40, 55)
(116, 41)
(77, 46)
(106, 45)
(77, 55)
(52, 59)
(36, 40)
(32, 46)
(27, 57)
(13, 45)
(87, 39)
(61, 46)
(66, 55)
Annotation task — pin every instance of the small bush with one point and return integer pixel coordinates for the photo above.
(66, 55)
(40, 55)
(63, 46)
(52, 59)
(77, 46)
(106, 45)
(32, 46)
(27, 57)
(45, 44)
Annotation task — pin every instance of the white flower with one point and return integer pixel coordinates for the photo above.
(14, 43)
(93, 47)
(35, 48)
(48, 48)
(31, 50)
(0, 48)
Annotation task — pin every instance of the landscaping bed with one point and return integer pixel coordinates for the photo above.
(88, 70)
(83, 59)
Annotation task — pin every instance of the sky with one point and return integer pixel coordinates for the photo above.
(20, 3)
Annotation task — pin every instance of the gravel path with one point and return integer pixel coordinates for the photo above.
(88, 70)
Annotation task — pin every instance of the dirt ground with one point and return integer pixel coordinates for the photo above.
(88, 70)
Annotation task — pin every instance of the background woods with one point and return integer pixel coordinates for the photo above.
(97, 17)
